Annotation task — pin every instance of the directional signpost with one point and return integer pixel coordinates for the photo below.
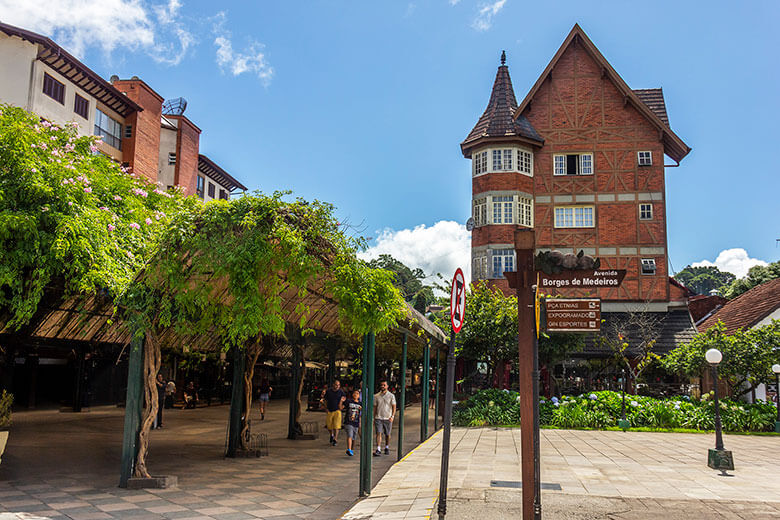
(457, 314)
(573, 314)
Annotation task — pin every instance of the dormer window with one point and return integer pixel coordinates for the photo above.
(502, 160)
(573, 164)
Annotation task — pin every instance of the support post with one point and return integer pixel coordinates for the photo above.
(522, 281)
(426, 390)
(436, 378)
(236, 402)
(449, 388)
(368, 413)
(78, 386)
(402, 400)
(295, 374)
(133, 408)
(32, 363)
(331, 366)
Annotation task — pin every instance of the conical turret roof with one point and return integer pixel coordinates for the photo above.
(498, 120)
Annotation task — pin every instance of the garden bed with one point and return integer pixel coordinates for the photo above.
(602, 410)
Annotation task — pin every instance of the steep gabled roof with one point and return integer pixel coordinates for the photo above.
(654, 99)
(499, 119)
(747, 309)
(674, 147)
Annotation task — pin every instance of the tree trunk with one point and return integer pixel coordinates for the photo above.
(252, 353)
(299, 408)
(152, 360)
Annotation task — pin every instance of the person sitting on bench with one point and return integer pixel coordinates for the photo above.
(190, 395)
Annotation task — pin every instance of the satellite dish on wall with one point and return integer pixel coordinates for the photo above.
(174, 107)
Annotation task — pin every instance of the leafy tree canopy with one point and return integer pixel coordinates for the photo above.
(757, 275)
(70, 219)
(747, 355)
(702, 280)
(409, 281)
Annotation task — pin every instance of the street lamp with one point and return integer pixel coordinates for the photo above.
(776, 370)
(623, 423)
(718, 458)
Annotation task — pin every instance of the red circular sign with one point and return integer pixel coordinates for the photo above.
(458, 301)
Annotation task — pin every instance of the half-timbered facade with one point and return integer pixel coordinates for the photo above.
(581, 160)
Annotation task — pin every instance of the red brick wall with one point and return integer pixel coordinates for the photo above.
(187, 148)
(142, 149)
(577, 109)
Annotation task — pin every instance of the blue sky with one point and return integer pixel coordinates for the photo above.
(364, 104)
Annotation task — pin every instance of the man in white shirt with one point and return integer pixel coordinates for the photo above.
(384, 413)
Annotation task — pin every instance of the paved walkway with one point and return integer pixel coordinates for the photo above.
(617, 467)
(66, 466)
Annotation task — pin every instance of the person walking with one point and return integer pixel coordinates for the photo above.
(334, 402)
(265, 396)
(384, 413)
(160, 401)
(353, 408)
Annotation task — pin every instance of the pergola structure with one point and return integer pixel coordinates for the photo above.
(90, 322)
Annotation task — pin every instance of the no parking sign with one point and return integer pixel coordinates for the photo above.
(458, 301)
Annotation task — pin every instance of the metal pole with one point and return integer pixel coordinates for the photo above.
(368, 410)
(436, 398)
(295, 367)
(331, 366)
(426, 390)
(718, 433)
(78, 391)
(777, 401)
(623, 391)
(133, 408)
(365, 426)
(236, 402)
(447, 420)
(402, 401)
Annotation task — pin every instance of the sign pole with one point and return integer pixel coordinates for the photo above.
(457, 313)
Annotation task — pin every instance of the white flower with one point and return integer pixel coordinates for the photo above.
(634, 404)
(593, 397)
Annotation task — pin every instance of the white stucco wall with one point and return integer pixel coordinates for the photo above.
(166, 173)
(16, 61)
(774, 315)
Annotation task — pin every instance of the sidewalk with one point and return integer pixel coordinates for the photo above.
(609, 472)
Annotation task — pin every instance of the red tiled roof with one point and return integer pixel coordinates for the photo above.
(654, 99)
(747, 309)
(499, 120)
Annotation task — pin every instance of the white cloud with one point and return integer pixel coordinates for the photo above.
(440, 248)
(484, 19)
(735, 261)
(250, 60)
(106, 24)
(454, 2)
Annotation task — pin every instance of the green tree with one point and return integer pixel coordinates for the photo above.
(757, 275)
(71, 221)
(409, 281)
(747, 355)
(702, 280)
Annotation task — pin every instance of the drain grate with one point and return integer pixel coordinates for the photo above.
(554, 486)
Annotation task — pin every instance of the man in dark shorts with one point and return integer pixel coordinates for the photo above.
(334, 402)
(353, 408)
(384, 413)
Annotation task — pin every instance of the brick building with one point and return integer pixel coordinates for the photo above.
(580, 160)
(42, 77)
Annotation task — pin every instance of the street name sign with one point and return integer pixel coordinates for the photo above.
(581, 279)
(573, 314)
(458, 301)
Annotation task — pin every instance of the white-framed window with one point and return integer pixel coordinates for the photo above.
(573, 164)
(503, 209)
(502, 160)
(645, 158)
(524, 160)
(525, 211)
(503, 261)
(648, 266)
(574, 217)
(480, 211)
(108, 128)
(480, 162)
(479, 267)
(645, 212)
